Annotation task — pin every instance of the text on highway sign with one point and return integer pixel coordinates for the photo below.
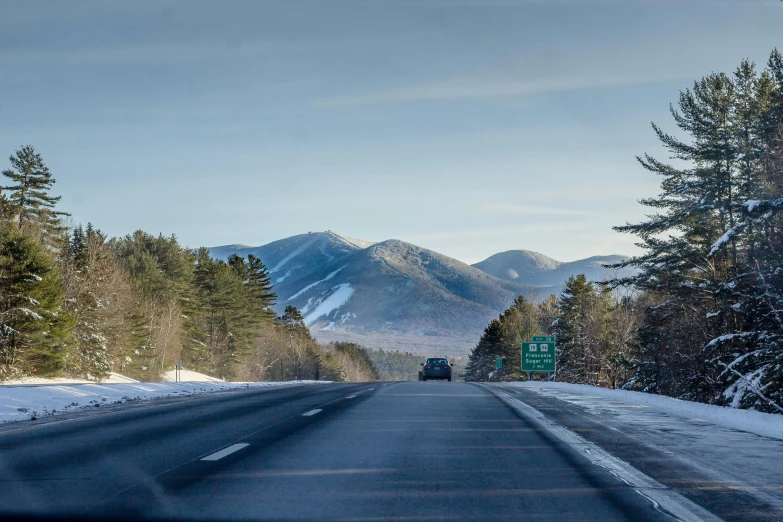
(538, 357)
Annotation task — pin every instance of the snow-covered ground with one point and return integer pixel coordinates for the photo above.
(764, 424)
(26, 401)
(28, 381)
(188, 376)
(743, 449)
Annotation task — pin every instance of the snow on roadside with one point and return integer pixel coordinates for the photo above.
(26, 402)
(188, 376)
(29, 381)
(764, 424)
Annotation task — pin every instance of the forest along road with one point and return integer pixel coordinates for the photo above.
(380, 451)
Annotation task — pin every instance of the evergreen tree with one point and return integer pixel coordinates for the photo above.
(98, 295)
(162, 271)
(34, 329)
(260, 290)
(710, 273)
(303, 351)
(78, 247)
(519, 323)
(29, 198)
(481, 362)
(574, 336)
(258, 284)
(226, 313)
(139, 360)
(292, 319)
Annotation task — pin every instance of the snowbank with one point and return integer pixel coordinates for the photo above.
(25, 402)
(764, 424)
(113, 378)
(188, 376)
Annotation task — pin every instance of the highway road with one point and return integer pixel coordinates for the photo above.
(374, 451)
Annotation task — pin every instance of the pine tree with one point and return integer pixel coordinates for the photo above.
(481, 361)
(226, 313)
(29, 197)
(519, 323)
(710, 273)
(78, 247)
(574, 337)
(302, 349)
(258, 284)
(162, 272)
(260, 290)
(292, 318)
(100, 298)
(750, 356)
(34, 329)
(139, 360)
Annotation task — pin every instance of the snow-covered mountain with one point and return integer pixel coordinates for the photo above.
(396, 295)
(532, 268)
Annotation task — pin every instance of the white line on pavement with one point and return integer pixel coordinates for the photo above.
(663, 498)
(351, 397)
(226, 451)
(310, 413)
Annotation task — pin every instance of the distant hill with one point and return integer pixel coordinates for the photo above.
(395, 295)
(534, 269)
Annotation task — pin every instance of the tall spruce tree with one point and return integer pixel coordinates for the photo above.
(575, 340)
(481, 361)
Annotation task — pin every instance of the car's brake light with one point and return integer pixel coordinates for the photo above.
(426, 366)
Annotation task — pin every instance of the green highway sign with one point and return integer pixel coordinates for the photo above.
(543, 338)
(538, 356)
(499, 363)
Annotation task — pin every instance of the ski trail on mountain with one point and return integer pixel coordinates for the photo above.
(292, 255)
(341, 294)
(311, 285)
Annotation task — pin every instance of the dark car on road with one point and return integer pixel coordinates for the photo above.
(436, 368)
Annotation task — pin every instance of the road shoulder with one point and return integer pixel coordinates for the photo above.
(700, 461)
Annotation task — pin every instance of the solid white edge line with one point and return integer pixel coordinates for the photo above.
(662, 497)
(351, 397)
(226, 451)
(311, 413)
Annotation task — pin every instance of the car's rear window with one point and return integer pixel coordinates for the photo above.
(437, 361)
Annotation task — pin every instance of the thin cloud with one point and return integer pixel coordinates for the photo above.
(530, 210)
(146, 53)
(471, 89)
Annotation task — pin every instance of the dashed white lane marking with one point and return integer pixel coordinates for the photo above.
(226, 451)
(311, 413)
(351, 397)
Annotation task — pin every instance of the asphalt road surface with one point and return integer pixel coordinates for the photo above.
(375, 451)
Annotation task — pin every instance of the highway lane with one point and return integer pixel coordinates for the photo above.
(404, 451)
(71, 464)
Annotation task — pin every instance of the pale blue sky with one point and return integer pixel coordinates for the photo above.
(465, 126)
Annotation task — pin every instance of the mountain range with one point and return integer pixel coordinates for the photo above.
(395, 295)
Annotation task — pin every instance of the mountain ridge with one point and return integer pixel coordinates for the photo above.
(395, 295)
